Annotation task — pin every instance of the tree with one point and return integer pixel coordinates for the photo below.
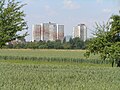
(64, 40)
(58, 44)
(107, 41)
(78, 43)
(11, 21)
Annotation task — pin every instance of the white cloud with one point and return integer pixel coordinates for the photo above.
(107, 10)
(70, 4)
(99, 1)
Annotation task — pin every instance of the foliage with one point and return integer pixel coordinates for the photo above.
(11, 21)
(78, 43)
(107, 41)
(74, 43)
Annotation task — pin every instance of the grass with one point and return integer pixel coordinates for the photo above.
(34, 75)
(49, 55)
(55, 75)
(36, 62)
(46, 53)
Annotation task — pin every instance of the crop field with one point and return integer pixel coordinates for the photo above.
(46, 53)
(33, 75)
(51, 74)
(49, 55)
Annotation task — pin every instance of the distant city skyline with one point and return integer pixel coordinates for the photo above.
(69, 13)
(47, 32)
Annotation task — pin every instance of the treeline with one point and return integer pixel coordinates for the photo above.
(75, 43)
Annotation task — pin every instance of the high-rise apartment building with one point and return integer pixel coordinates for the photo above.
(47, 31)
(36, 32)
(52, 32)
(80, 31)
(60, 32)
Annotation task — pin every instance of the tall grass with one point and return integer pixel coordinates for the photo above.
(54, 59)
(57, 77)
(46, 53)
(75, 56)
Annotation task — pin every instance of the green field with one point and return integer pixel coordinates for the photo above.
(43, 75)
(34, 75)
(46, 53)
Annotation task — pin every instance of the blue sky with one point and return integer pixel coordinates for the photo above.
(69, 12)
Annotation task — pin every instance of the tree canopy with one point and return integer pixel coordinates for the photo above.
(11, 21)
(106, 41)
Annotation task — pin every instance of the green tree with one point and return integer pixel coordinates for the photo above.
(78, 43)
(64, 40)
(58, 44)
(50, 44)
(11, 21)
(67, 45)
(107, 41)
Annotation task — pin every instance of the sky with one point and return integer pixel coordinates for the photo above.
(69, 13)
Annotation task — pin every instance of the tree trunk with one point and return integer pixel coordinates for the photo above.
(118, 63)
(1, 46)
(112, 63)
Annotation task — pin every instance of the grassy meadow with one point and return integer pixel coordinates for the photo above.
(44, 75)
(46, 53)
